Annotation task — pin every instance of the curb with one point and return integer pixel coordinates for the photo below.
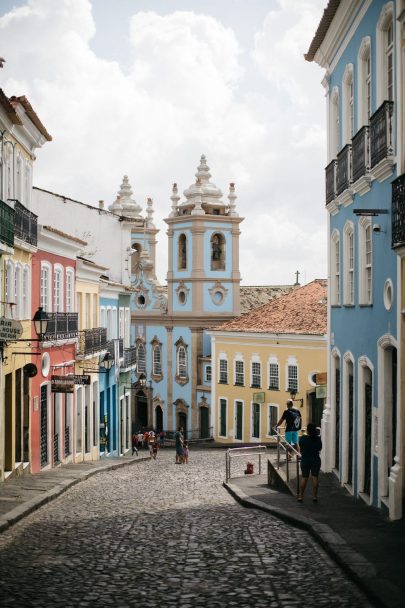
(353, 563)
(12, 517)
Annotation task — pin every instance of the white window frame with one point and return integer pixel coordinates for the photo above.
(252, 410)
(108, 322)
(141, 360)
(239, 373)
(127, 327)
(103, 320)
(270, 406)
(334, 124)
(348, 104)
(243, 418)
(365, 239)
(121, 322)
(219, 416)
(223, 362)
(273, 361)
(157, 361)
(385, 19)
(292, 363)
(58, 302)
(114, 322)
(255, 361)
(182, 371)
(364, 82)
(208, 374)
(26, 292)
(46, 299)
(70, 289)
(335, 268)
(348, 264)
(9, 288)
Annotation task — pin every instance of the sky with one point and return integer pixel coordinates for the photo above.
(144, 87)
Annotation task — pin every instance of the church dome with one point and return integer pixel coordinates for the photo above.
(203, 192)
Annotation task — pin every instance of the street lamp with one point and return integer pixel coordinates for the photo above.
(142, 380)
(293, 394)
(41, 320)
(107, 362)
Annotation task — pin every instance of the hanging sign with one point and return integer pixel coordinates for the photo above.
(321, 391)
(62, 384)
(83, 379)
(10, 330)
(321, 378)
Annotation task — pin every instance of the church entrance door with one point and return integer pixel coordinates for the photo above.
(182, 421)
(142, 410)
(204, 423)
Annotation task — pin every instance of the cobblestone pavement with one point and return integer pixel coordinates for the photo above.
(160, 534)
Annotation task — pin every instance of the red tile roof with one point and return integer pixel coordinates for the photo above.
(32, 115)
(302, 311)
(324, 24)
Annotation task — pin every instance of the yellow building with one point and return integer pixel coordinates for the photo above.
(263, 358)
(21, 132)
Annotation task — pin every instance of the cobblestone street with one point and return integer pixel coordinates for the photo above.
(156, 533)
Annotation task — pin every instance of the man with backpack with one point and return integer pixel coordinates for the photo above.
(292, 418)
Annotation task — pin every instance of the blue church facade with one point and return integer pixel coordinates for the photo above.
(359, 51)
(169, 324)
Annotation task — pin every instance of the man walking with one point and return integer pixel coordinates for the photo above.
(178, 437)
(292, 418)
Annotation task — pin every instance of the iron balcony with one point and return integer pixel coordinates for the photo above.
(398, 212)
(25, 224)
(7, 215)
(61, 326)
(92, 341)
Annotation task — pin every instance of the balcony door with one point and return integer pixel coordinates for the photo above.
(239, 420)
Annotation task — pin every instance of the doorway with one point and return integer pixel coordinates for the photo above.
(141, 410)
(204, 423)
(182, 421)
(159, 418)
(367, 436)
(8, 422)
(350, 427)
(316, 408)
(239, 420)
(44, 425)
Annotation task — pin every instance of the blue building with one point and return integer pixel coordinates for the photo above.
(169, 323)
(358, 43)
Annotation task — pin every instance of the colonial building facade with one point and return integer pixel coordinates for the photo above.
(359, 45)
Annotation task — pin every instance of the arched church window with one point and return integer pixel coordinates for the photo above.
(182, 252)
(135, 254)
(217, 251)
(181, 362)
(141, 358)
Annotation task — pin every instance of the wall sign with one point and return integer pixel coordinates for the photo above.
(10, 330)
(259, 397)
(62, 384)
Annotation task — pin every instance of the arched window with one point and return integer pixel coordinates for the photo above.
(348, 103)
(182, 252)
(181, 361)
(9, 289)
(217, 251)
(70, 290)
(335, 268)
(364, 81)
(141, 358)
(365, 262)
(348, 264)
(334, 126)
(45, 293)
(58, 288)
(18, 312)
(26, 292)
(156, 359)
(135, 254)
(385, 54)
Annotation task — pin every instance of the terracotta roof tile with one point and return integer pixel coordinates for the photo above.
(252, 296)
(65, 235)
(324, 24)
(32, 115)
(302, 311)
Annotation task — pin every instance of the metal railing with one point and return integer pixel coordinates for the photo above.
(360, 153)
(7, 215)
(67, 441)
(288, 449)
(381, 133)
(56, 448)
(25, 224)
(398, 212)
(129, 357)
(330, 181)
(256, 450)
(111, 349)
(61, 326)
(92, 341)
(343, 169)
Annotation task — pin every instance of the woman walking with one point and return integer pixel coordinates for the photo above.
(310, 446)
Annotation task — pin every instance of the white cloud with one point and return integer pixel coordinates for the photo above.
(183, 93)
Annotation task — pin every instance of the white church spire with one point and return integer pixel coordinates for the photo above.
(124, 204)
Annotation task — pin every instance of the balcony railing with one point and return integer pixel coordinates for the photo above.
(381, 133)
(330, 175)
(25, 224)
(56, 448)
(129, 357)
(61, 326)
(360, 153)
(92, 341)
(67, 441)
(7, 215)
(343, 169)
(398, 212)
(111, 348)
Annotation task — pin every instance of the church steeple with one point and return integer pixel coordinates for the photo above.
(124, 204)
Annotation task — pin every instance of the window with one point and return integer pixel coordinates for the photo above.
(45, 294)
(292, 377)
(157, 360)
(103, 320)
(348, 103)
(223, 371)
(58, 289)
(182, 252)
(70, 293)
(335, 268)
(141, 358)
(208, 373)
(222, 417)
(217, 251)
(239, 373)
(256, 420)
(256, 376)
(127, 324)
(349, 264)
(95, 308)
(274, 375)
(334, 127)
(239, 420)
(365, 262)
(389, 61)
(272, 419)
(114, 327)
(121, 323)
(385, 53)
(18, 291)
(9, 289)
(181, 362)
(368, 85)
(26, 300)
